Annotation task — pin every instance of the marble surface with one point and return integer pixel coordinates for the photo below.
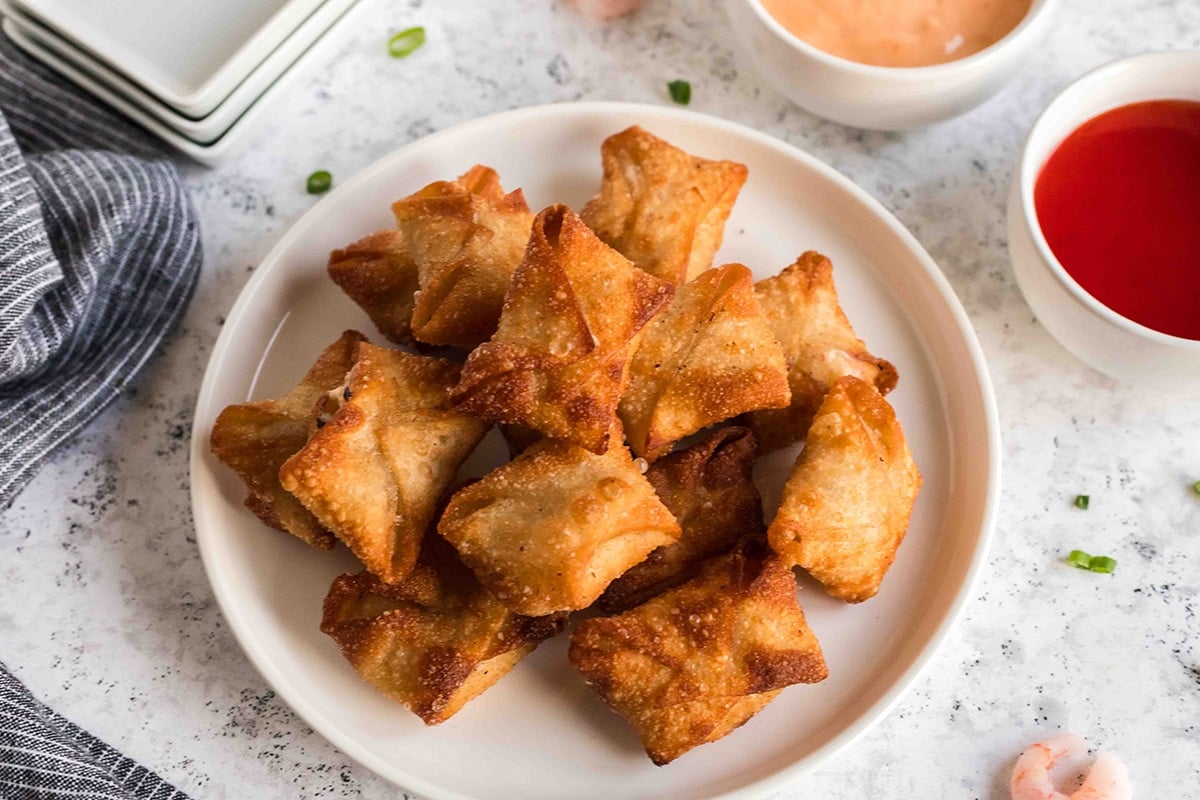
(105, 611)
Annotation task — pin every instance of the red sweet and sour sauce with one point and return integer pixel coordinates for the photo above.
(1119, 205)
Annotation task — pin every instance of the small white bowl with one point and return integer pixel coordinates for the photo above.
(1099, 336)
(881, 98)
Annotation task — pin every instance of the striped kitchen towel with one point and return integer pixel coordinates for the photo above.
(99, 253)
(45, 756)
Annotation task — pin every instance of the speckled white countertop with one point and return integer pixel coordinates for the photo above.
(105, 611)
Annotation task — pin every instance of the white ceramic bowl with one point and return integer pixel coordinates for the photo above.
(882, 98)
(1099, 336)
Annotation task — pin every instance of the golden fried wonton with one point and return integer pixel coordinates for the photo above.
(709, 491)
(661, 208)
(375, 472)
(559, 360)
(847, 502)
(433, 641)
(691, 665)
(801, 305)
(379, 274)
(550, 530)
(708, 357)
(254, 439)
(466, 238)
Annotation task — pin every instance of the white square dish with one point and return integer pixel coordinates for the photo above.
(191, 58)
(207, 129)
(209, 153)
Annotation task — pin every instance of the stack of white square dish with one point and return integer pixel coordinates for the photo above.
(196, 73)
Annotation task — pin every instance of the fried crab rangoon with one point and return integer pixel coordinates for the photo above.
(550, 530)
(375, 472)
(559, 360)
(801, 306)
(254, 439)
(847, 502)
(379, 274)
(441, 275)
(660, 207)
(466, 237)
(708, 357)
(433, 641)
(708, 488)
(696, 662)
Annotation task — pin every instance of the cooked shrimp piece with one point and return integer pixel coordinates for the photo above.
(1107, 780)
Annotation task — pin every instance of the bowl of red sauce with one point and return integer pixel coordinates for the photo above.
(1104, 220)
(888, 64)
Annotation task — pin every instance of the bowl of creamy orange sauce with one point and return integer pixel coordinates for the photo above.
(888, 64)
(899, 33)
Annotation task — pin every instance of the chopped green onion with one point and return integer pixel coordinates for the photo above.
(681, 92)
(1196, 487)
(319, 182)
(1082, 500)
(406, 42)
(1080, 559)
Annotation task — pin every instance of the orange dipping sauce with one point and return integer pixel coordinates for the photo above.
(899, 33)
(1119, 205)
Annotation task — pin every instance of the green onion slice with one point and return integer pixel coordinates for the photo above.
(1196, 487)
(681, 92)
(1082, 500)
(406, 42)
(1080, 559)
(319, 182)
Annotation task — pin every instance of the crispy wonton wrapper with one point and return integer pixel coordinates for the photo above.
(375, 472)
(691, 665)
(709, 490)
(254, 439)
(661, 208)
(466, 238)
(847, 502)
(380, 275)
(559, 360)
(433, 641)
(801, 305)
(550, 530)
(708, 357)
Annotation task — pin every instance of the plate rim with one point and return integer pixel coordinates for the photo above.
(784, 776)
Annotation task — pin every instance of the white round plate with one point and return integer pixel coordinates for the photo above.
(540, 733)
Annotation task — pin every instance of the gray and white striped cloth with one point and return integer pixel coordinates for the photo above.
(43, 755)
(99, 254)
